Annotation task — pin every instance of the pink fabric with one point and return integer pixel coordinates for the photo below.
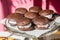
(8, 6)
(56, 5)
(21, 3)
(1, 17)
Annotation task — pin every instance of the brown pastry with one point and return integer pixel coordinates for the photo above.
(6, 38)
(47, 13)
(31, 15)
(41, 22)
(12, 18)
(21, 10)
(35, 9)
(24, 24)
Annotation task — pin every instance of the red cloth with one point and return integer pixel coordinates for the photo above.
(8, 6)
(56, 5)
(50, 4)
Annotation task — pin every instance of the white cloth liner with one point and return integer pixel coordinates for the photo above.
(35, 32)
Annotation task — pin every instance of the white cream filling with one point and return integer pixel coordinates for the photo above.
(46, 26)
(26, 26)
(12, 22)
(49, 16)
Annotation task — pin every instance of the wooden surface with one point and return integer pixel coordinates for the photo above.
(58, 32)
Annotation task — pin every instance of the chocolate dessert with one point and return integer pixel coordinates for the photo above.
(35, 9)
(41, 22)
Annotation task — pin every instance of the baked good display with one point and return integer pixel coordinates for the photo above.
(24, 24)
(47, 13)
(21, 10)
(35, 9)
(41, 22)
(30, 15)
(30, 24)
(12, 18)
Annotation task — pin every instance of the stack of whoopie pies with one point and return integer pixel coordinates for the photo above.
(34, 18)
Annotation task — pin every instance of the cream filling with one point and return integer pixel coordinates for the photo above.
(46, 26)
(26, 26)
(49, 16)
(12, 22)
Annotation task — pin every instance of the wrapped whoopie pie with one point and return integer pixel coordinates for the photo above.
(31, 15)
(21, 10)
(35, 9)
(41, 23)
(12, 18)
(24, 24)
(47, 13)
